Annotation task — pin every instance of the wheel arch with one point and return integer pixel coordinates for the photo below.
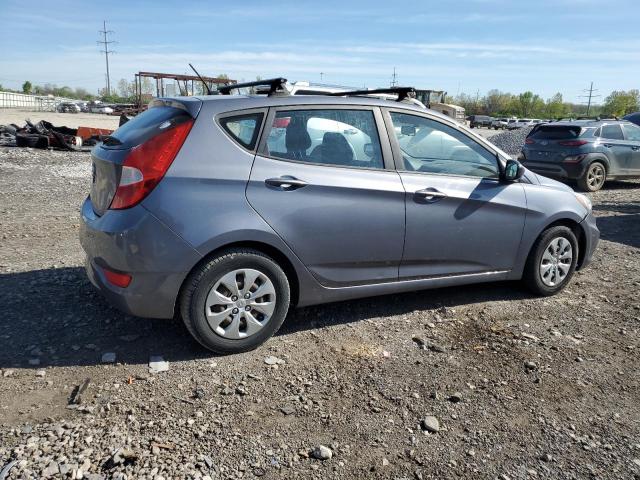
(270, 250)
(577, 230)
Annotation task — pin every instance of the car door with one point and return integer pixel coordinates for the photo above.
(616, 148)
(632, 135)
(461, 218)
(323, 179)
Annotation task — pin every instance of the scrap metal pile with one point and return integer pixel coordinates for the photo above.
(45, 135)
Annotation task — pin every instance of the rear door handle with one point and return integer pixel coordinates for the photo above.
(635, 148)
(286, 182)
(607, 145)
(430, 194)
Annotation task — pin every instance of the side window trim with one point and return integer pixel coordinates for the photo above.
(241, 113)
(397, 155)
(613, 125)
(387, 155)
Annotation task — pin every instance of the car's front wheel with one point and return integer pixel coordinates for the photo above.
(593, 178)
(236, 301)
(552, 261)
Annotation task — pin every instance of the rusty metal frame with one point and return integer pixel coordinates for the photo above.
(187, 87)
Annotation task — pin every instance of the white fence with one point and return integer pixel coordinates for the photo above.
(39, 103)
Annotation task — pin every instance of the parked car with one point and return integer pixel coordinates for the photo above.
(480, 121)
(523, 122)
(512, 124)
(499, 123)
(633, 118)
(198, 207)
(68, 107)
(589, 152)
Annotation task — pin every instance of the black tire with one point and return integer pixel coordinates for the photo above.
(532, 277)
(202, 280)
(587, 182)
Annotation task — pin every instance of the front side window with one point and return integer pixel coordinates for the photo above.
(243, 128)
(347, 138)
(612, 132)
(432, 147)
(632, 131)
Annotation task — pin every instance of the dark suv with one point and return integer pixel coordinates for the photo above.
(588, 151)
(480, 121)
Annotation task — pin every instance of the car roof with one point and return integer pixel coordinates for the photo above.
(237, 102)
(587, 123)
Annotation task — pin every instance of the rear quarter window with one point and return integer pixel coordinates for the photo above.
(243, 129)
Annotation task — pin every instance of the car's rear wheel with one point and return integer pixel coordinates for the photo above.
(593, 178)
(552, 261)
(236, 301)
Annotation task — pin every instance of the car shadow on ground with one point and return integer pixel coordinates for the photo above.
(55, 317)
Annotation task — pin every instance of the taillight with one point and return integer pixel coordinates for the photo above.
(147, 163)
(573, 143)
(121, 280)
(529, 141)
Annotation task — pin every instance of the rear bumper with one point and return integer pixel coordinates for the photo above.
(133, 241)
(592, 237)
(556, 169)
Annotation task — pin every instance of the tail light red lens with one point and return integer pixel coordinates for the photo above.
(121, 280)
(573, 143)
(529, 141)
(147, 163)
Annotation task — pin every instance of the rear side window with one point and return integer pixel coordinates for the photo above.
(613, 132)
(146, 124)
(632, 131)
(346, 138)
(243, 128)
(549, 132)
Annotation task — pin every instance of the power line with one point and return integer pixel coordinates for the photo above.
(105, 44)
(590, 96)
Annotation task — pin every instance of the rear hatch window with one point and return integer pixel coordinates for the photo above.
(555, 132)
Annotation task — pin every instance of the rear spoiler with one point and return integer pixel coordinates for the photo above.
(191, 105)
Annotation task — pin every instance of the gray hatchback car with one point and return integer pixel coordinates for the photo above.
(227, 210)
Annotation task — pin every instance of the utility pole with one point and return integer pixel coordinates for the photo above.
(394, 78)
(105, 42)
(590, 90)
(321, 75)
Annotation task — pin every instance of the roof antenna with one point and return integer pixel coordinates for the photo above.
(202, 80)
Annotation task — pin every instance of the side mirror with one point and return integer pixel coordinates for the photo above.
(408, 130)
(513, 171)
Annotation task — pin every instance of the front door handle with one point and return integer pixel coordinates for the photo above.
(635, 148)
(607, 145)
(286, 182)
(430, 194)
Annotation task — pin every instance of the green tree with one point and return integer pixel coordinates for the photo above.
(496, 102)
(528, 103)
(27, 87)
(621, 102)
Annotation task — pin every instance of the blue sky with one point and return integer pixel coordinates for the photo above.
(546, 46)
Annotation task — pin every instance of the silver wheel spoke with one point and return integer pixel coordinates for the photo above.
(264, 289)
(229, 281)
(215, 319)
(266, 308)
(250, 278)
(253, 325)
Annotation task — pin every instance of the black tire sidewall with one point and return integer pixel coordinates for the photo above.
(209, 275)
(532, 270)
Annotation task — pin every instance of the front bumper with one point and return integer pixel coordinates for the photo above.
(133, 241)
(592, 237)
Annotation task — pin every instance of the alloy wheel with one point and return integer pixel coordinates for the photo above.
(596, 176)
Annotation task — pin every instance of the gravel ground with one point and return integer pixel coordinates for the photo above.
(511, 141)
(475, 382)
